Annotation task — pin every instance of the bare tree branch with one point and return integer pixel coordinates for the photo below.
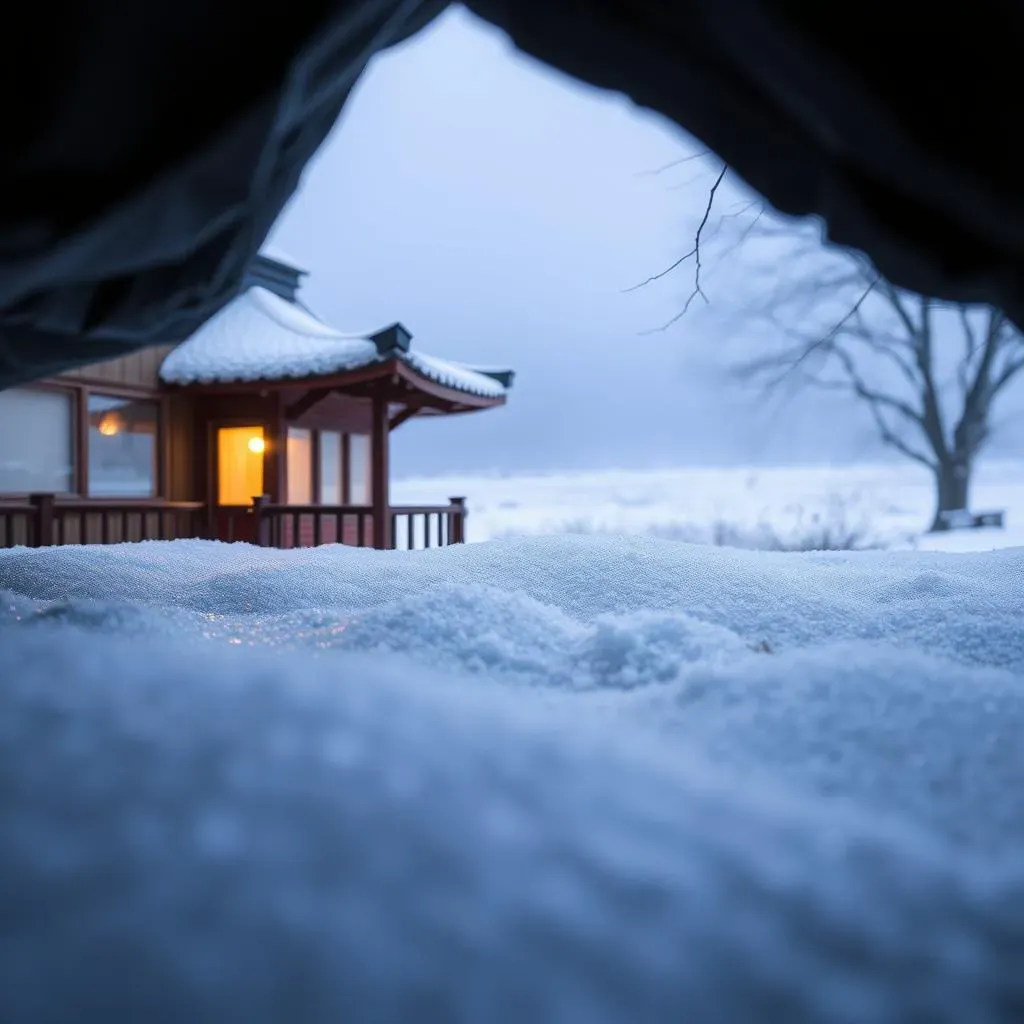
(1008, 372)
(971, 430)
(890, 438)
(885, 346)
(701, 154)
(871, 395)
(971, 349)
(745, 234)
(846, 329)
(894, 300)
(934, 423)
(825, 342)
(695, 251)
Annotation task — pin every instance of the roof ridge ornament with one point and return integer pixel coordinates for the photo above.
(393, 340)
(504, 377)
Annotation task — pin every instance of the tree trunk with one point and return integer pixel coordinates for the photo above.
(952, 489)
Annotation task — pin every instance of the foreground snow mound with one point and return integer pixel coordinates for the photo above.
(581, 780)
(965, 607)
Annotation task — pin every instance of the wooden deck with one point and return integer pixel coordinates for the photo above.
(43, 520)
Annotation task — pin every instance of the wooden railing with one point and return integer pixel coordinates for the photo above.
(43, 520)
(303, 526)
(407, 526)
(425, 526)
(18, 524)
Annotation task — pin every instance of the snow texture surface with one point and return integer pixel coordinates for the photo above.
(890, 505)
(272, 252)
(453, 375)
(579, 779)
(260, 336)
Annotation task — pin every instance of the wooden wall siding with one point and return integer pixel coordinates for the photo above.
(256, 408)
(211, 411)
(139, 370)
(180, 448)
(342, 413)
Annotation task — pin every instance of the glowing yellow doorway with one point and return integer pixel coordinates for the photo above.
(239, 464)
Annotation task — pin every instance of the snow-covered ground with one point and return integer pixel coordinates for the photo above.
(580, 779)
(877, 505)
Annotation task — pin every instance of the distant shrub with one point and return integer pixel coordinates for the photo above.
(832, 529)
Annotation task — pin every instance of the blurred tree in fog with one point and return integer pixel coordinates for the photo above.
(930, 373)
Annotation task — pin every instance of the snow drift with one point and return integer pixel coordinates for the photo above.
(581, 779)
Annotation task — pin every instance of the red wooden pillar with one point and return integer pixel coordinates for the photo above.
(275, 455)
(380, 495)
(42, 520)
(457, 521)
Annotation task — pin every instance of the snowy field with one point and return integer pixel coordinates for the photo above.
(580, 779)
(887, 506)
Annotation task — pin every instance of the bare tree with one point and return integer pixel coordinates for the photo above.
(929, 373)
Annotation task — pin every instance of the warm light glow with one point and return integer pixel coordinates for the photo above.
(239, 475)
(109, 424)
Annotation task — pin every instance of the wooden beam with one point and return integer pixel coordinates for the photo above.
(443, 393)
(401, 417)
(380, 494)
(300, 407)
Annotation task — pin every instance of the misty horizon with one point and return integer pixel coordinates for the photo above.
(503, 212)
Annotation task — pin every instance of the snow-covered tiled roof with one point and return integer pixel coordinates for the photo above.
(454, 375)
(272, 252)
(260, 336)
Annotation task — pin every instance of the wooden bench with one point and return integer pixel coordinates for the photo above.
(961, 519)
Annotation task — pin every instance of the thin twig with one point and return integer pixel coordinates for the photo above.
(674, 163)
(826, 341)
(695, 252)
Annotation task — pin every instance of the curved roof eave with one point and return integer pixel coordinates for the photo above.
(261, 340)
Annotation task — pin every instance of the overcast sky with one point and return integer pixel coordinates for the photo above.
(500, 210)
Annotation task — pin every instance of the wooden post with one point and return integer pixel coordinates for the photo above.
(457, 527)
(262, 523)
(42, 520)
(380, 494)
(275, 437)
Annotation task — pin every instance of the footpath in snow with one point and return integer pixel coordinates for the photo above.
(581, 779)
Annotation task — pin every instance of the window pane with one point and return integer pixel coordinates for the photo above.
(330, 468)
(300, 466)
(239, 464)
(35, 441)
(122, 447)
(359, 469)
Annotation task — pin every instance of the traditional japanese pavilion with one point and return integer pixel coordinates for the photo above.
(267, 425)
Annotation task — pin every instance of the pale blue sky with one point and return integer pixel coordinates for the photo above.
(499, 210)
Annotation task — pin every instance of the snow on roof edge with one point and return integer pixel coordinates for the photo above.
(272, 252)
(260, 336)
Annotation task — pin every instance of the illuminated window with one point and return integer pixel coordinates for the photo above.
(300, 466)
(122, 447)
(359, 469)
(330, 468)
